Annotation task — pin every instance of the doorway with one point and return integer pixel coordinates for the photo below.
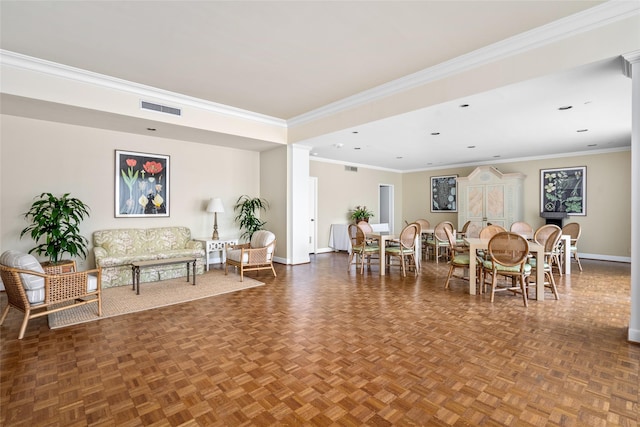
(386, 205)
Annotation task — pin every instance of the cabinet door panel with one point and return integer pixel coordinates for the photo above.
(475, 202)
(495, 202)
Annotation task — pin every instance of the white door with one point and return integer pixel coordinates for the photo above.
(313, 214)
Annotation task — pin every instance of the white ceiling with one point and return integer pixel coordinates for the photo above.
(286, 59)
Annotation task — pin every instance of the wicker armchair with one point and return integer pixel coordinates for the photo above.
(438, 243)
(522, 228)
(252, 256)
(573, 229)
(459, 257)
(38, 292)
(507, 256)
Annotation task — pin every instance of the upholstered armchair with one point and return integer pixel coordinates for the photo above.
(39, 292)
(255, 255)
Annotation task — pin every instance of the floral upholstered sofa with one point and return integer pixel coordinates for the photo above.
(115, 250)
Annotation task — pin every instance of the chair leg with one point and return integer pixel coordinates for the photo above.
(23, 328)
(446, 284)
(575, 256)
(523, 289)
(552, 283)
(4, 313)
(351, 255)
(273, 270)
(241, 273)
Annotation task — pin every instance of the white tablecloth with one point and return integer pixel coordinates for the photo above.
(339, 237)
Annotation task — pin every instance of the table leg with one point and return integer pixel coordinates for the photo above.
(194, 272)
(540, 274)
(137, 280)
(133, 278)
(188, 262)
(383, 261)
(472, 268)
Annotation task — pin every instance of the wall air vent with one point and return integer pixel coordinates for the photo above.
(151, 106)
(351, 169)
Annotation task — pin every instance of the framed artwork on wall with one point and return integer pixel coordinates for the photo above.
(564, 190)
(142, 185)
(444, 193)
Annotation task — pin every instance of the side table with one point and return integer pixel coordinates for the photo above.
(219, 245)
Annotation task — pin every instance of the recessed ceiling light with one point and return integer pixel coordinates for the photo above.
(435, 133)
(356, 148)
(565, 107)
(355, 131)
(399, 157)
(497, 156)
(338, 145)
(471, 146)
(151, 129)
(582, 130)
(464, 105)
(592, 145)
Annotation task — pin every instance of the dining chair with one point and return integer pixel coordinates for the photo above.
(522, 228)
(406, 249)
(541, 235)
(549, 237)
(573, 229)
(438, 242)
(459, 257)
(462, 233)
(507, 257)
(360, 249)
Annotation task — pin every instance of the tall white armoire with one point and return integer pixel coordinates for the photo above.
(490, 196)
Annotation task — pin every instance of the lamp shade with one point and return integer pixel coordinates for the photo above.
(215, 205)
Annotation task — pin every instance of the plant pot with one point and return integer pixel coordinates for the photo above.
(64, 266)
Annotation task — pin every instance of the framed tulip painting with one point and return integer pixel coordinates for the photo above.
(444, 193)
(142, 185)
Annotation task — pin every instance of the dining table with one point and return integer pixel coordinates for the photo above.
(382, 239)
(475, 244)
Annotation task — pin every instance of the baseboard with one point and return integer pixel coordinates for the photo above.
(600, 257)
(634, 335)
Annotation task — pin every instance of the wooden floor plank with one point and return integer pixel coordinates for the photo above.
(320, 346)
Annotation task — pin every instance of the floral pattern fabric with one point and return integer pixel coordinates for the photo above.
(115, 250)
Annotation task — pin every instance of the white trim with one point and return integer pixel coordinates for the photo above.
(599, 257)
(598, 16)
(481, 163)
(17, 60)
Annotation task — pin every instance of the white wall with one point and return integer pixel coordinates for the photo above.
(39, 156)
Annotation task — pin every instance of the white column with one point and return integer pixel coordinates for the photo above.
(298, 204)
(632, 69)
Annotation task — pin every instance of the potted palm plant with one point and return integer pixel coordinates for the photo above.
(247, 208)
(360, 213)
(55, 223)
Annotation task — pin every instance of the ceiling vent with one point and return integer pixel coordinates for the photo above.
(351, 169)
(145, 105)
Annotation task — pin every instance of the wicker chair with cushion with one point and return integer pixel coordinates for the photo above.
(406, 249)
(361, 249)
(438, 243)
(573, 229)
(252, 256)
(507, 256)
(38, 292)
(424, 225)
(549, 237)
(459, 257)
(522, 228)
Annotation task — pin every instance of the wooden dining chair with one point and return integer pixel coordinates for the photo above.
(361, 250)
(459, 258)
(573, 229)
(549, 237)
(522, 228)
(406, 249)
(507, 257)
(438, 242)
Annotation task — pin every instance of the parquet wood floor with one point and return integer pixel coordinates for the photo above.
(319, 346)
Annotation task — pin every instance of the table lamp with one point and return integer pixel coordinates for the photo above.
(215, 206)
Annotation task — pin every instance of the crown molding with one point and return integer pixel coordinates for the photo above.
(628, 59)
(595, 17)
(17, 60)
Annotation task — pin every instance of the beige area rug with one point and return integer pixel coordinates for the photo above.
(123, 300)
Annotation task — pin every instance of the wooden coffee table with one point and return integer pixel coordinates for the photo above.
(136, 266)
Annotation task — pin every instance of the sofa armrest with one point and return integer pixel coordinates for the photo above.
(194, 244)
(99, 252)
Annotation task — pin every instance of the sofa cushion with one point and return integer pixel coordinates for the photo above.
(121, 242)
(166, 238)
(34, 285)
